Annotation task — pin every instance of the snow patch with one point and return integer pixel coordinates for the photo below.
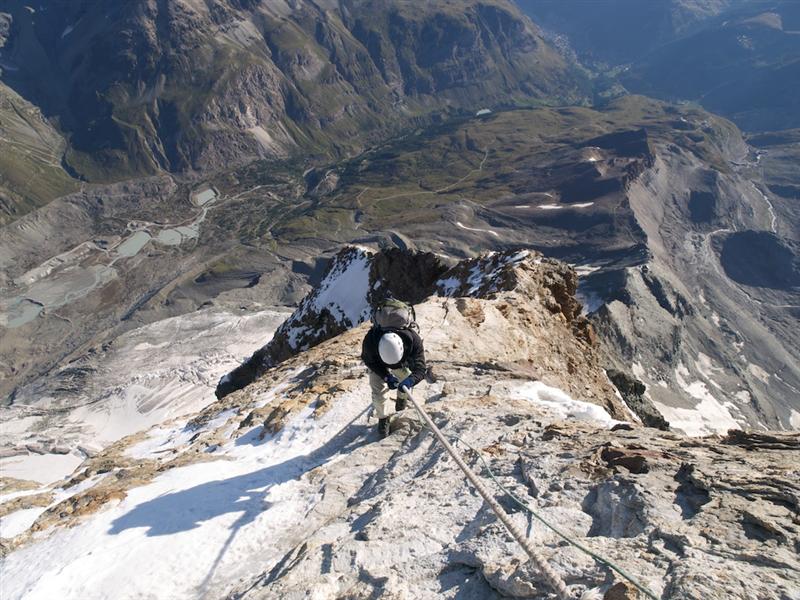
(144, 382)
(483, 272)
(344, 291)
(448, 286)
(43, 468)
(462, 226)
(708, 416)
(16, 522)
(560, 403)
(560, 206)
(794, 419)
(12, 495)
(758, 372)
(638, 371)
(166, 439)
(590, 301)
(707, 369)
(583, 270)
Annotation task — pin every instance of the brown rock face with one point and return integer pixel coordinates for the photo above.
(621, 591)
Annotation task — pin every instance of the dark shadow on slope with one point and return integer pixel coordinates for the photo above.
(690, 495)
(466, 582)
(760, 259)
(187, 509)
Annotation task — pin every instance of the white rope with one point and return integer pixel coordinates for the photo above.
(553, 579)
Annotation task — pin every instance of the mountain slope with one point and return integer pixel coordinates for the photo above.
(31, 173)
(738, 58)
(150, 85)
(618, 31)
(283, 487)
(654, 203)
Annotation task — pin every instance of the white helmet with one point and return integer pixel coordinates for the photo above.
(391, 349)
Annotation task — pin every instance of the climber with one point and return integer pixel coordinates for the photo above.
(393, 352)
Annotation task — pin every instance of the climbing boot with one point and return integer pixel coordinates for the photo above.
(383, 427)
(400, 404)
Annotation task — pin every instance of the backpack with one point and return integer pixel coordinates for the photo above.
(395, 314)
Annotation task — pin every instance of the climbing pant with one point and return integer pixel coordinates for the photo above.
(384, 405)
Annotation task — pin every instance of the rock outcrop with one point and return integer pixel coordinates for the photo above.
(357, 278)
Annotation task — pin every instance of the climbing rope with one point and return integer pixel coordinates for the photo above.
(519, 536)
(553, 579)
(522, 504)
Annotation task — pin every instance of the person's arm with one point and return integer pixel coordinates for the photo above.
(369, 354)
(416, 359)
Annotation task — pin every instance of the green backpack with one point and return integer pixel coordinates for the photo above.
(395, 314)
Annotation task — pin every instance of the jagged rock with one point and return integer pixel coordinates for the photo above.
(9, 452)
(353, 281)
(11, 484)
(356, 277)
(632, 391)
(26, 502)
(753, 440)
(635, 460)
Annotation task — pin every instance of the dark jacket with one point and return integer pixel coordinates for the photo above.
(413, 353)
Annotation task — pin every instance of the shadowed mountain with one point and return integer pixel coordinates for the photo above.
(150, 85)
(739, 58)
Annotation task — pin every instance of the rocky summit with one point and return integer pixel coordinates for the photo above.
(283, 488)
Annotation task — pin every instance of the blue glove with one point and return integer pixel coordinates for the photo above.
(407, 383)
(391, 381)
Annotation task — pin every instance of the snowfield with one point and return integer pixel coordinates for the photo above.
(561, 405)
(196, 529)
(152, 374)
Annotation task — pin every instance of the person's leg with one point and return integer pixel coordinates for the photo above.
(402, 398)
(380, 402)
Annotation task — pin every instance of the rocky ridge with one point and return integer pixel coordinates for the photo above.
(319, 503)
(357, 278)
